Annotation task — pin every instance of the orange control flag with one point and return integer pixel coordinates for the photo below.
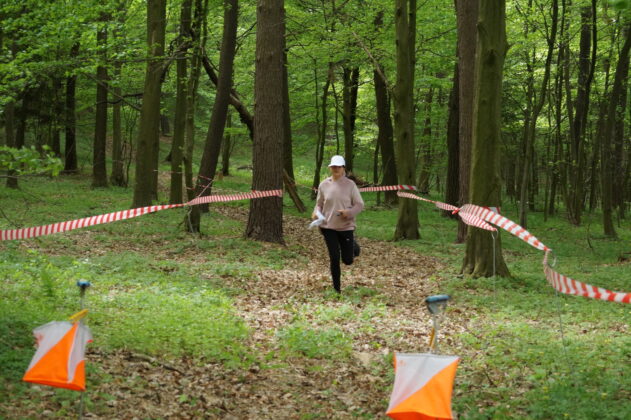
(422, 386)
(59, 359)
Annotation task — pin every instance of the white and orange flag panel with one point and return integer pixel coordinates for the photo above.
(59, 359)
(423, 385)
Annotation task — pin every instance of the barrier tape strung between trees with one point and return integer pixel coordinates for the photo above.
(25, 233)
(478, 216)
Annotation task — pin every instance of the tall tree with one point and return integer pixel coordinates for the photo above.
(179, 122)
(265, 221)
(578, 111)
(70, 145)
(485, 187)
(149, 131)
(214, 136)
(467, 18)
(614, 112)
(99, 168)
(350, 77)
(530, 129)
(405, 24)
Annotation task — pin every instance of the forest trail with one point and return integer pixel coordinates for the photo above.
(288, 387)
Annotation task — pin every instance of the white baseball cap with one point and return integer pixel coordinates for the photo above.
(337, 160)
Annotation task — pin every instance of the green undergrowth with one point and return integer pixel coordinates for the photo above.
(526, 351)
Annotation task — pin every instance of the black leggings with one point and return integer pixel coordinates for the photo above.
(338, 242)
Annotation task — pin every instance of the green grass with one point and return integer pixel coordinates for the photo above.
(526, 351)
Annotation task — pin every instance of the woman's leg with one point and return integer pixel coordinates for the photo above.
(332, 244)
(345, 238)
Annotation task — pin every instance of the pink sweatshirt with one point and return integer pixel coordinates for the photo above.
(338, 195)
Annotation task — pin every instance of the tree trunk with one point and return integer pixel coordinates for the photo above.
(578, 121)
(214, 136)
(405, 27)
(452, 183)
(614, 113)
(321, 128)
(70, 147)
(534, 115)
(467, 17)
(149, 131)
(179, 121)
(288, 163)
(385, 137)
(351, 85)
(486, 187)
(199, 27)
(265, 220)
(226, 147)
(117, 176)
(9, 129)
(58, 110)
(99, 168)
(426, 141)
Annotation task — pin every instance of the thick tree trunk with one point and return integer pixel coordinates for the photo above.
(405, 23)
(214, 136)
(70, 146)
(467, 17)
(179, 121)
(351, 85)
(385, 137)
(452, 182)
(99, 168)
(149, 131)
(482, 258)
(265, 221)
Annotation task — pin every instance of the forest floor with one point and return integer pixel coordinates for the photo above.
(219, 327)
(298, 387)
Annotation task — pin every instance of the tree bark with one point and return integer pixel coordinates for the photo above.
(405, 24)
(199, 26)
(288, 162)
(349, 99)
(179, 121)
(385, 137)
(452, 183)
(214, 136)
(99, 168)
(578, 120)
(149, 130)
(9, 130)
(534, 115)
(486, 186)
(467, 18)
(321, 128)
(70, 147)
(265, 220)
(614, 112)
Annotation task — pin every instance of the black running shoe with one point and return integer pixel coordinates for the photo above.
(356, 249)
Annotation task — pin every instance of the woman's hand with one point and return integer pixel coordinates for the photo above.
(344, 214)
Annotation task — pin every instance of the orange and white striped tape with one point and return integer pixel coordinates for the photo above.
(478, 216)
(505, 223)
(388, 188)
(25, 233)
